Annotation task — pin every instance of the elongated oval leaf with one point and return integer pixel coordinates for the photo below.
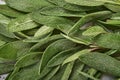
(29, 59)
(72, 7)
(86, 2)
(111, 40)
(22, 23)
(31, 73)
(43, 31)
(76, 56)
(45, 41)
(101, 15)
(57, 11)
(51, 74)
(4, 20)
(9, 12)
(53, 49)
(60, 23)
(59, 58)
(93, 31)
(101, 62)
(27, 5)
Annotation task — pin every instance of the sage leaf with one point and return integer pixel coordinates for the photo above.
(45, 41)
(110, 40)
(53, 49)
(57, 11)
(71, 7)
(60, 23)
(78, 66)
(4, 20)
(68, 71)
(93, 31)
(75, 56)
(43, 31)
(51, 74)
(27, 72)
(22, 23)
(5, 68)
(107, 63)
(5, 10)
(27, 5)
(28, 59)
(86, 2)
(59, 58)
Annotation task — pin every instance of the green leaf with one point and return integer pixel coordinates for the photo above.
(4, 31)
(29, 59)
(64, 72)
(51, 74)
(76, 56)
(87, 75)
(57, 11)
(43, 43)
(6, 68)
(6, 39)
(101, 62)
(101, 15)
(60, 23)
(110, 40)
(2, 42)
(22, 23)
(67, 71)
(111, 52)
(78, 66)
(4, 20)
(77, 40)
(86, 2)
(4, 9)
(60, 57)
(113, 7)
(27, 5)
(12, 50)
(71, 7)
(53, 49)
(93, 31)
(28, 73)
(42, 31)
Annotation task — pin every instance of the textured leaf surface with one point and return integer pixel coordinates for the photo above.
(75, 56)
(46, 41)
(93, 31)
(29, 59)
(110, 40)
(60, 23)
(11, 50)
(72, 7)
(85, 2)
(51, 74)
(43, 31)
(53, 49)
(57, 11)
(102, 62)
(22, 23)
(60, 57)
(27, 5)
(9, 12)
(27, 72)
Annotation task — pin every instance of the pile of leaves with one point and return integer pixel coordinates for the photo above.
(60, 39)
